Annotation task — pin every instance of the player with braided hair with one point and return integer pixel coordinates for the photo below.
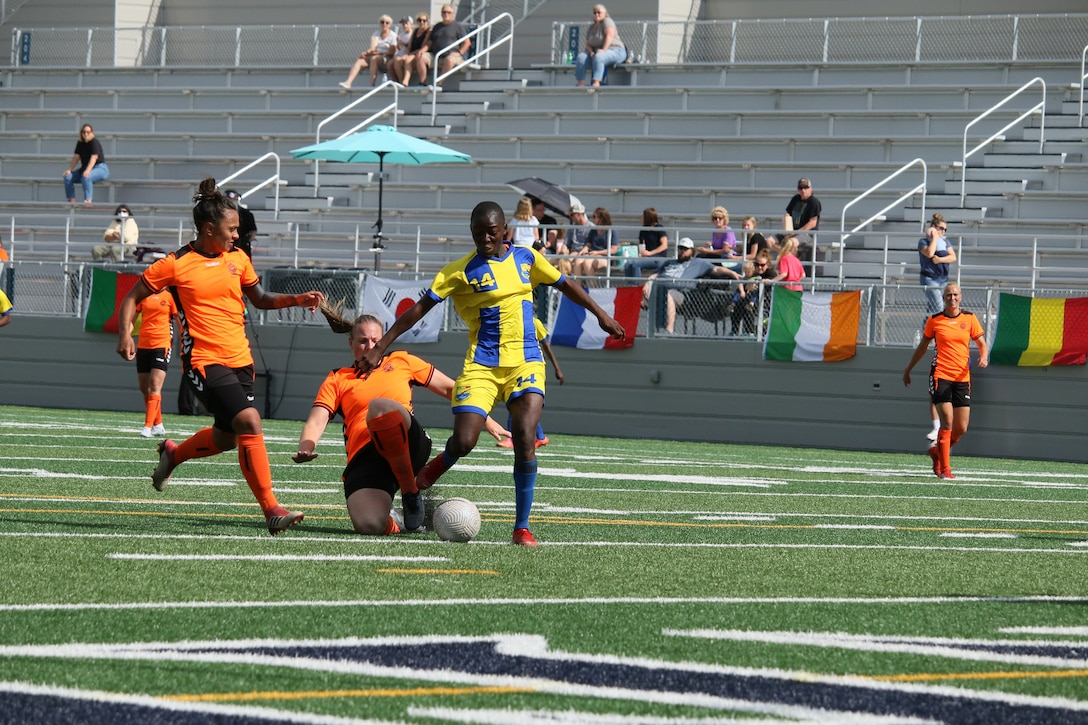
(208, 278)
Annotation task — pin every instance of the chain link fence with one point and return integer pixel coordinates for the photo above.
(892, 315)
(980, 38)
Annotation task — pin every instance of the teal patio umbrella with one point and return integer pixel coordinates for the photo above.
(380, 144)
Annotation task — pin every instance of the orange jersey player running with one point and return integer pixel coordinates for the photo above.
(386, 445)
(950, 373)
(153, 356)
(208, 278)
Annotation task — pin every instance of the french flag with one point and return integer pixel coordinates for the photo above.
(575, 326)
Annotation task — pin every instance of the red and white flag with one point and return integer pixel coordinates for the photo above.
(388, 299)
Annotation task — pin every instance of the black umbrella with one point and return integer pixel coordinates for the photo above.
(554, 196)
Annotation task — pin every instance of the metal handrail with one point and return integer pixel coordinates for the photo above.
(843, 234)
(484, 31)
(1040, 107)
(275, 181)
(1083, 76)
(393, 107)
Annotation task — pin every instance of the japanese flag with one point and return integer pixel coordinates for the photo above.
(388, 299)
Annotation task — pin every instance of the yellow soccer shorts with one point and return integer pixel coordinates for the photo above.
(479, 387)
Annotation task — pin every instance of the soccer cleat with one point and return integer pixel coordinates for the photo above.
(158, 430)
(431, 472)
(932, 435)
(936, 456)
(146, 432)
(280, 519)
(505, 443)
(161, 475)
(524, 537)
(413, 512)
(542, 442)
(947, 473)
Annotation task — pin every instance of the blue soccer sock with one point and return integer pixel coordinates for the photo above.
(524, 483)
(448, 460)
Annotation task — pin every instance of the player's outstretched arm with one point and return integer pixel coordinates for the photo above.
(263, 300)
(577, 294)
(311, 433)
(126, 315)
(373, 357)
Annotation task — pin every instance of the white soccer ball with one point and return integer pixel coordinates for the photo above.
(456, 519)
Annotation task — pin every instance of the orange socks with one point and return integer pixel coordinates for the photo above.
(390, 436)
(391, 527)
(944, 443)
(253, 458)
(198, 445)
(152, 410)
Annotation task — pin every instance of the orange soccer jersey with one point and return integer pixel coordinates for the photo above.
(348, 392)
(211, 309)
(157, 330)
(953, 336)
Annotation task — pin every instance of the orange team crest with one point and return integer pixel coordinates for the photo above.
(234, 272)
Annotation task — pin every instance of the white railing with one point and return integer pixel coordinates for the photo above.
(275, 181)
(483, 36)
(1039, 108)
(843, 234)
(1083, 77)
(392, 108)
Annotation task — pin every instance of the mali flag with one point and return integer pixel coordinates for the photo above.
(107, 290)
(1037, 332)
(813, 326)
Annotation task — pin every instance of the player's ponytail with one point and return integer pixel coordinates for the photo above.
(209, 205)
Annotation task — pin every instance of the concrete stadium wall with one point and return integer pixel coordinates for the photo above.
(714, 391)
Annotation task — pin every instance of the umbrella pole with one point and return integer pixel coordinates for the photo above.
(378, 246)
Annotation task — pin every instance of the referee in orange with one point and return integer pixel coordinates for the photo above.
(953, 329)
(210, 280)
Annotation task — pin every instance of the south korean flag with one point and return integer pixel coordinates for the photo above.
(388, 299)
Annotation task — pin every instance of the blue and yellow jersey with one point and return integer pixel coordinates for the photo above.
(541, 331)
(5, 304)
(495, 299)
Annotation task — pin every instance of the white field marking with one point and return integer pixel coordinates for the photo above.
(598, 544)
(1060, 631)
(603, 476)
(543, 601)
(723, 517)
(859, 527)
(307, 490)
(146, 502)
(155, 703)
(574, 717)
(536, 647)
(1077, 543)
(978, 535)
(42, 473)
(952, 648)
(271, 557)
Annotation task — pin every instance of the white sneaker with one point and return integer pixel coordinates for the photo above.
(932, 435)
(146, 432)
(158, 430)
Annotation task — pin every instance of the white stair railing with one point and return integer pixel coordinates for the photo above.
(1039, 108)
(274, 181)
(1083, 77)
(484, 38)
(392, 108)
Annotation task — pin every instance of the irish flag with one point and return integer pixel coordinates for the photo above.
(107, 290)
(1037, 332)
(809, 326)
(575, 326)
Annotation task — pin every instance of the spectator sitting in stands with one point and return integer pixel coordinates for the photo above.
(802, 215)
(653, 245)
(442, 35)
(789, 266)
(92, 166)
(549, 233)
(599, 243)
(122, 232)
(524, 229)
(686, 266)
(743, 314)
(575, 240)
(753, 240)
(404, 38)
(603, 48)
(247, 225)
(383, 44)
(723, 242)
(400, 68)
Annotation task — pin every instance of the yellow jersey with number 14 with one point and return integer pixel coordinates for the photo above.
(494, 296)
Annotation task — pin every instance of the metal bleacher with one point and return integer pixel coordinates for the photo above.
(682, 139)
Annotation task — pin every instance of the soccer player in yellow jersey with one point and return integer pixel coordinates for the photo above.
(207, 279)
(950, 375)
(386, 445)
(153, 356)
(492, 291)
